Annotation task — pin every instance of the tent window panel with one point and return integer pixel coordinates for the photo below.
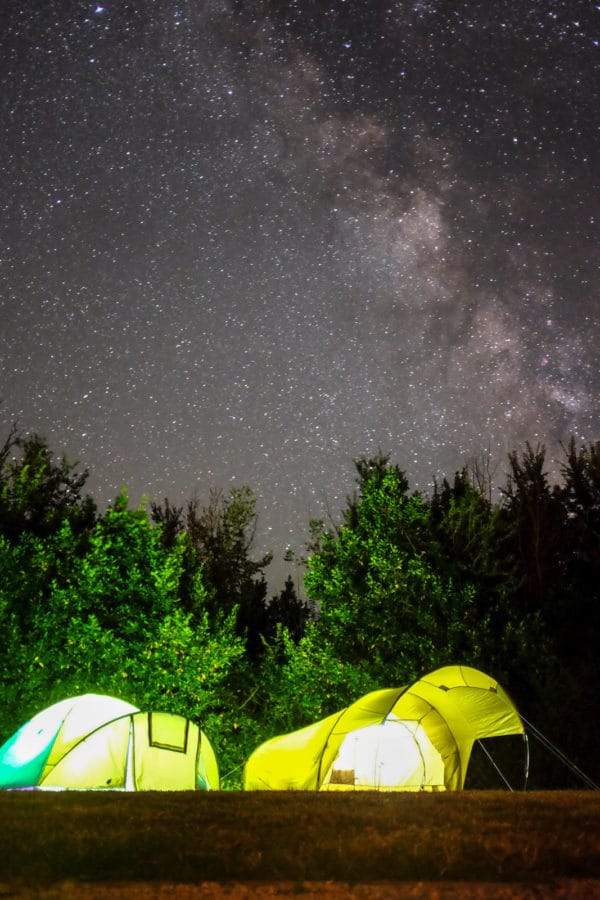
(168, 732)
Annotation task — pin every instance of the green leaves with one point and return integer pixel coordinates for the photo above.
(380, 600)
(302, 682)
(170, 612)
(37, 493)
(396, 585)
(104, 615)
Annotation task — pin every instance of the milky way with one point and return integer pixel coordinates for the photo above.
(249, 242)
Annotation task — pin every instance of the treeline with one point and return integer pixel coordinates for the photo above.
(169, 609)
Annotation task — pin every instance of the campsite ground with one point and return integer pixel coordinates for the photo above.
(230, 844)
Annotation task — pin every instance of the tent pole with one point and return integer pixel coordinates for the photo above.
(496, 767)
(561, 756)
(129, 762)
(526, 743)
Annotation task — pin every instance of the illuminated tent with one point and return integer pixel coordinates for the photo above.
(409, 739)
(93, 741)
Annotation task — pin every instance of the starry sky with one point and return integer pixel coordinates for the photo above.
(247, 242)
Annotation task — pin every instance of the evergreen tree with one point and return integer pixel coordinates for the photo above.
(533, 516)
(471, 537)
(289, 611)
(575, 612)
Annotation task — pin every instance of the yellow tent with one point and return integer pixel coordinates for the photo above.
(92, 742)
(411, 738)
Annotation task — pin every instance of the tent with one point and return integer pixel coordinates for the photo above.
(93, 741)
(410, 738)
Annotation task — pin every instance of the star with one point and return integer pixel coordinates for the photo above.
(248, 243)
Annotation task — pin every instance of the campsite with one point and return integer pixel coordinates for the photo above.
(168, 609)
(102, 797)
(162, 724)
(300, 448)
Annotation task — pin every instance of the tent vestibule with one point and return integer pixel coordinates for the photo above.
(409, 738)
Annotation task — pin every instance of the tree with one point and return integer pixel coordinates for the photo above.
(299, 683)
(533, 517)
(170, 520)
(580, 495)
(38, 494)
(221, 537)
(109, 620)
(127, 578)
(382, 605)
(575, 611)
(288, 610)
(472, 539)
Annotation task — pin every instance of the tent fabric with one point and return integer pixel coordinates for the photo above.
(392, 755)
(409, 738)
(95, 742)
(39, 743)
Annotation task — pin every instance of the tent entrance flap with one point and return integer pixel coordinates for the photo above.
(390, 755)
(166, 754)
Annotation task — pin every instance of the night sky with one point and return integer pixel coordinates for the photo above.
(247, 242)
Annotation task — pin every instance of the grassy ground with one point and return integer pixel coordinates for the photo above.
(49, 839)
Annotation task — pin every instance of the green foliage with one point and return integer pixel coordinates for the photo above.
(289, 611)
(36, 493)
(170, 612)
(108, 619)
(467, 529)
(184, 669)
(220, 538)
(382, 604)
(126, 577)
(306, 680)
(406, 585)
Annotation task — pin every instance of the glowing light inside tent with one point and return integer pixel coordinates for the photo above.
(392, 755)
(24, 755)
(436, 719)
(94, 742)
(34, 738)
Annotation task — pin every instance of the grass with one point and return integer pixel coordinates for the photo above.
(538, 837)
